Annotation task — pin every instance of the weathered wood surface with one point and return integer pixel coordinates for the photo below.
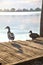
(20, 51)
(41, 22)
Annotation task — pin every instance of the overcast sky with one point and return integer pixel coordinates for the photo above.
(20, 4)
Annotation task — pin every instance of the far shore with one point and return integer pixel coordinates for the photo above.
(20, 11)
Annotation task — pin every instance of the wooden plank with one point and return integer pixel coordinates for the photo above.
(37, 61)
(19, 51)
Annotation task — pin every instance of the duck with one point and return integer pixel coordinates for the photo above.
(9, 34)
(33, 35)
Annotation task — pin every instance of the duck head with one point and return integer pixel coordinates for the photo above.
(8, 28)
(30, 31)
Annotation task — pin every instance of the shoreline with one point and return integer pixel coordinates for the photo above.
(19, 13)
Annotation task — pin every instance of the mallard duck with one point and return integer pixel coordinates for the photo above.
(33, 35)
(10, 34)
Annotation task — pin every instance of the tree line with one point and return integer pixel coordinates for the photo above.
(20, 10)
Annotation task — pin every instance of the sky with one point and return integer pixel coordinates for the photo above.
(20, 4)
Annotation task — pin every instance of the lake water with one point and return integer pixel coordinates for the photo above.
(20, 23)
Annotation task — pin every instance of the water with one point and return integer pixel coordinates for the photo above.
(19, 13)
(20, 24)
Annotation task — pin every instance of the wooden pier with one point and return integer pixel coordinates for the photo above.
(12, 53)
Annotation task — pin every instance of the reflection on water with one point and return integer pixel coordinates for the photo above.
(20, 25)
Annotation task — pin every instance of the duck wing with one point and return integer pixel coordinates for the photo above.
(11, 35)
(34, 35)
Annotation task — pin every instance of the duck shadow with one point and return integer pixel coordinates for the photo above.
(18, 47)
